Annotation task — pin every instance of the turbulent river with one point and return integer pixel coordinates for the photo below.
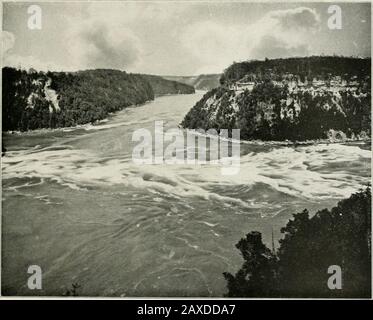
(75, 204)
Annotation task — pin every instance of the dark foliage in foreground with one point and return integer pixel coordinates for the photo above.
(340, 236)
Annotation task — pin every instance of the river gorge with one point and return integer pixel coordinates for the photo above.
(75, 204)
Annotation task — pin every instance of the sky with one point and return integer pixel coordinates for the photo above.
(177, 38)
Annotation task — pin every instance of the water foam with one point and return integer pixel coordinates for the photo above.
(301, 172)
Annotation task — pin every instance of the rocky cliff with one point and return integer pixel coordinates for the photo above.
(308, 98)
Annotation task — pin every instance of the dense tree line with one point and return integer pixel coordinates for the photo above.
(299, 268)
(320, 67)
(82, 97)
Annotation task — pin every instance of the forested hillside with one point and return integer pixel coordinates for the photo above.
(162, 86)
(295, 99)
(33, 100)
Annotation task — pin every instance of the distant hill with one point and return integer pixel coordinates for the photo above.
(294, 99)
(201, 82)
(163, 86)
(34, 100)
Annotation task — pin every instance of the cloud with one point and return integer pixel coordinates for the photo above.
(8, 40)
(280, 33)
(285, 33)
(11, 59)
(211, 45)
(298, 18)
(160, 38)
(91, 39)
(272, 47)
(131, 13)
(95, 44)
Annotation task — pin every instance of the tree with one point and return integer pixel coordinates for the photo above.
(340, 236)
(258, 274)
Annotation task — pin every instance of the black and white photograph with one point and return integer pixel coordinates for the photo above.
(186, 149)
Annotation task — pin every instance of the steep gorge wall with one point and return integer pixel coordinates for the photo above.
(280, 106)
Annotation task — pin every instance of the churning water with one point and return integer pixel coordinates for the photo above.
(75, 204)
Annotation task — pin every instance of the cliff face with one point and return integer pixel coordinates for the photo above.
(33, 100)
(271, 103)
